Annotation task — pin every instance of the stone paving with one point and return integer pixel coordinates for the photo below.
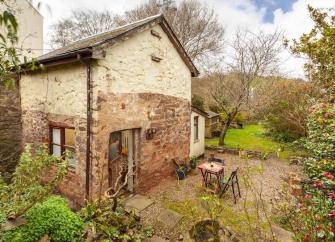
(169, 218)
(138, 203)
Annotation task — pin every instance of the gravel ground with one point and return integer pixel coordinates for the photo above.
(169, 189)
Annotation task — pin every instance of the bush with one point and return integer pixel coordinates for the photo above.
(106, 223)
(321, 131)
(198, 102)
(52, 217)
(283, 106)
(28, 185)
(316, 211)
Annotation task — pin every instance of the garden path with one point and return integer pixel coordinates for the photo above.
(184, 198)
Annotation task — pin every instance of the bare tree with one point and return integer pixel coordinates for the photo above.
(79, 25)
(197, 26)
(253, 56)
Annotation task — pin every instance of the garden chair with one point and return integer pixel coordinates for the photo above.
(231, 182)
(214, 159)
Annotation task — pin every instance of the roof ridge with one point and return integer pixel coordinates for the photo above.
(104, 32)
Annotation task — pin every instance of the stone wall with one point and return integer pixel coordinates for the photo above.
(130, 111)
(10, 128)
(36, 131)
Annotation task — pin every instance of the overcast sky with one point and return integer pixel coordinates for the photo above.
(291, 16)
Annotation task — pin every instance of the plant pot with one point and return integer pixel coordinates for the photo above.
(181, 173)
(193, 164)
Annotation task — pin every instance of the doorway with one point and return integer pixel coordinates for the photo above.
(123, 146)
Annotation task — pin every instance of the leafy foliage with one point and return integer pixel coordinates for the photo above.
(8, 55)
(11, 56)
(318, 46)
(51, 217)
(198, 102)
(317, 210)
(321, 136)
(106, 224)
(312, 217)
(283, 106)
(28, 184)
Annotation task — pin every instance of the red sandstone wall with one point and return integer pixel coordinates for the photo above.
(119, 112)
(36, 131)
(129, 111)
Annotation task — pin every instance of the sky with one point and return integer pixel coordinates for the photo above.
(289, 16)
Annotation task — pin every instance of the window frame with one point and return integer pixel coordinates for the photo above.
(62, 139)
(196, 128)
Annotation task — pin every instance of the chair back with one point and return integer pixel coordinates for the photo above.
(233, 176)
(217, 160)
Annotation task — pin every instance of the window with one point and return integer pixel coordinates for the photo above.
(61, 140)
(115, 148)
(118, 144)
(196, 128)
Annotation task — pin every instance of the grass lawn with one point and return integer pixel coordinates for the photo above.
(251, 138)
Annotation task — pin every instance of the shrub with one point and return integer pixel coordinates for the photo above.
(321, 131)
(28, 186)
(105, 224)
(283, 106)
(52, 217)
(316, 211)
(198, 102)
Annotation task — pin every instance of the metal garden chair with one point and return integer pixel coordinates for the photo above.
(231, 182)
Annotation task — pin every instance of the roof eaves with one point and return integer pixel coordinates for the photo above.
(199, 111)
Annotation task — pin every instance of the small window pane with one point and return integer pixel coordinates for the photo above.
(56, 136)
(72, 160)
(114, 145)
(56, 150)
(196, 131)
(69, 137)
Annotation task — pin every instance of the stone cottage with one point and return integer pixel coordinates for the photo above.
(120, 95)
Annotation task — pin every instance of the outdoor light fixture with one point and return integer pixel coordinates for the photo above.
(151, 115)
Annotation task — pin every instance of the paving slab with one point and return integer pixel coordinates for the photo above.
(138, 202)
(169, 218)
(282, 235)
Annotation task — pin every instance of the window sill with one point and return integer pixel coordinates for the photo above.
(196, 140)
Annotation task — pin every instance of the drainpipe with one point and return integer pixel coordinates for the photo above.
(88, 65)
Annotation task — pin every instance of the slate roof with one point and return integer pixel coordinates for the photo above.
(89, 43)
(211, 114)
(199, 111)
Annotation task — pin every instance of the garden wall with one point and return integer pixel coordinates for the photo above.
(10, 128)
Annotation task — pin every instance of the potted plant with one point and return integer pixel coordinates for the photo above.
(193, 162)
(181, 172)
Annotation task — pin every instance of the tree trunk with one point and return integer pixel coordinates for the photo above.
(223, 132)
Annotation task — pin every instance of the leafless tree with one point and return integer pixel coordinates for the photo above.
(81, 24)
(197, 26)
(253, 56)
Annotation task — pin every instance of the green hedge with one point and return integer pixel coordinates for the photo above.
(52, 217)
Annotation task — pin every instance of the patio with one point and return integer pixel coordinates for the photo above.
(248, 219)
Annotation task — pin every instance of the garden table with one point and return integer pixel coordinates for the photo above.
(211, 168)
